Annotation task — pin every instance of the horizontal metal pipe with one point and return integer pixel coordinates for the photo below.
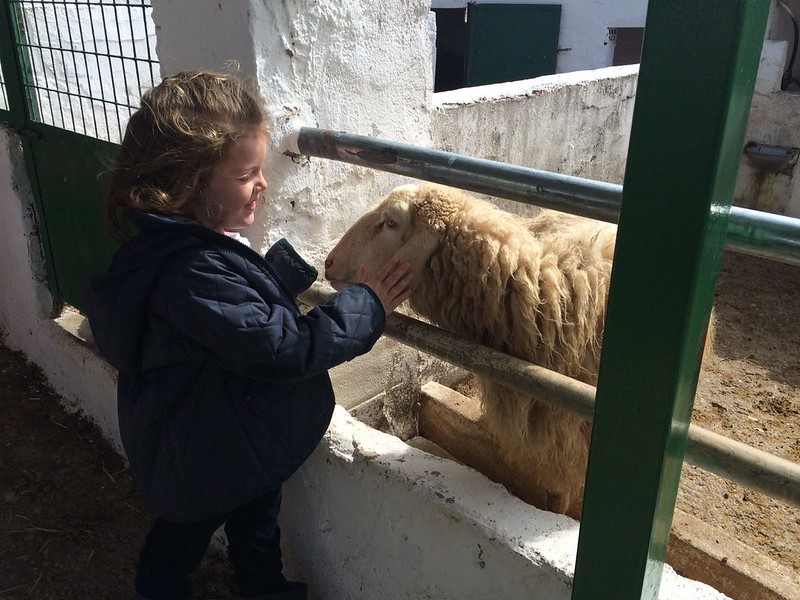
(753, 232)
(746, 465)
(753, 468)
(551, 190)
(767, 235)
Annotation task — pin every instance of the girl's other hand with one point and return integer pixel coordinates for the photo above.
(392, 283)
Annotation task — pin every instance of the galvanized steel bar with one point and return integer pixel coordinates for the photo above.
(767, 235)
(750, 231)
(561, 192)
(748, 466)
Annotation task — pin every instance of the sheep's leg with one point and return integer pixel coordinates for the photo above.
(546, 446)
(557, 502)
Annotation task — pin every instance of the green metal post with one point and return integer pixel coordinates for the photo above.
(13, 78)
(695, 86)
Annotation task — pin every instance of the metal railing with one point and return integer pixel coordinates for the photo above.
(771, 236)
(758, 470)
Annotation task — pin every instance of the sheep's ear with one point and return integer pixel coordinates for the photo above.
(388, 220)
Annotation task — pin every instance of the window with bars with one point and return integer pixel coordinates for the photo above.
(85, 62)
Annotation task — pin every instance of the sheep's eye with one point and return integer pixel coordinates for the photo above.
(391, 224)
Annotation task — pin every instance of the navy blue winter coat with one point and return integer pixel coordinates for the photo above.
(223, 387)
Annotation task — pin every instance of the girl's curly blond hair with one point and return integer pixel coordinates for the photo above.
(181, 131)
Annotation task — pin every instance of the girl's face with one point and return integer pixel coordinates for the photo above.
(237, 182)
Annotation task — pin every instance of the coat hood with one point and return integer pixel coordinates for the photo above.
(115, 302)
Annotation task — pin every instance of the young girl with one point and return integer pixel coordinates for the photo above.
(223, 389)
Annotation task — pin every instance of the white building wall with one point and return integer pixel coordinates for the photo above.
(522, 122)
(86, 382)
(396, 523)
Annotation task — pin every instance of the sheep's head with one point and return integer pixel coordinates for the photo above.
(390, 228)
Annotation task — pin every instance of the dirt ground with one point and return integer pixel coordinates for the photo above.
(71, 522)
(750, 391)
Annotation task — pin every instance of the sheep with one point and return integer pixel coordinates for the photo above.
(535, 288)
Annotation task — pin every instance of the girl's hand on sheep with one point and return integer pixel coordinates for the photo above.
(392, 283)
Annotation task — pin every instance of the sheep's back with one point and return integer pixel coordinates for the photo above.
(535, 288)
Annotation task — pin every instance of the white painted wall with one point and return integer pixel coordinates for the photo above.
(774, 120)
(26, 310)
(367, 516)
(354, 66)
(522, 122)
(502, 121)
(779, 28)
(583, 39)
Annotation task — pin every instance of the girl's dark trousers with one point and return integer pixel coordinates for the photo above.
(173, 551)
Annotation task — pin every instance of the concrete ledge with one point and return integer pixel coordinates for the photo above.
(368, 516)
(696, 550)
(701, 551)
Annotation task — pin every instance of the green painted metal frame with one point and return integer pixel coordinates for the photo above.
(67, 169)
(698, 68)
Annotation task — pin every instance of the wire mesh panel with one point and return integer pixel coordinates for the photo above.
(85, 62)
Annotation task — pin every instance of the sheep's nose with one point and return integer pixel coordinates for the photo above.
(328, 262)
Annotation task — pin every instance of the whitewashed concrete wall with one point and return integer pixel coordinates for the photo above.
(542, 123)
(774, 120)
(396, 523)
(367, 516)
(584, 39)
(26, 310)
(522, 122)
(779, 28)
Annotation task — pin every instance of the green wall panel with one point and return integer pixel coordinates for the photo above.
(508, 42)
(71, 174)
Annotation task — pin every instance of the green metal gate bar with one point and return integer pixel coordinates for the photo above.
(695, 86)
(776, 237)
